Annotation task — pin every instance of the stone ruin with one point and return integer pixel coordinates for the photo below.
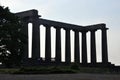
(31, 16)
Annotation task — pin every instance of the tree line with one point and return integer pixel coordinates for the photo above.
(11, 38)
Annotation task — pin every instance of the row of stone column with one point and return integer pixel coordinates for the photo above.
(93, 47)
(36, 45)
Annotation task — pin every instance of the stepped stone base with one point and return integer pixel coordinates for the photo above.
(40, 62)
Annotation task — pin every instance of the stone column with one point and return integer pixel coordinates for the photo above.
(84, 48)
(48, 44)
(76, 48)
(93, 47)
(67, 47)
(58, 45)
(104, 46)
(36, 39)
(25, 51)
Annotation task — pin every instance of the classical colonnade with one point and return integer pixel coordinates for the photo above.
(33, 17)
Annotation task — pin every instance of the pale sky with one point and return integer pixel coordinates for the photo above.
(81, 12)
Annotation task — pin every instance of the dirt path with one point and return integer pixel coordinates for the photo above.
(60, 77)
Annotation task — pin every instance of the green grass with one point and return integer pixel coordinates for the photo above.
(44, 70)
(55, 70)
(7, 70)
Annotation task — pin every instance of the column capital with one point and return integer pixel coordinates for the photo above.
(84, 31)
(57, 27)
(67, 29)
(46, 25)
(104, 28)
(93, 30)
(75, 30)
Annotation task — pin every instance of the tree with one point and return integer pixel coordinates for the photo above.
(11, 38)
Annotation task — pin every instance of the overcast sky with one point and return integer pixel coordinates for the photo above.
(81, 12)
